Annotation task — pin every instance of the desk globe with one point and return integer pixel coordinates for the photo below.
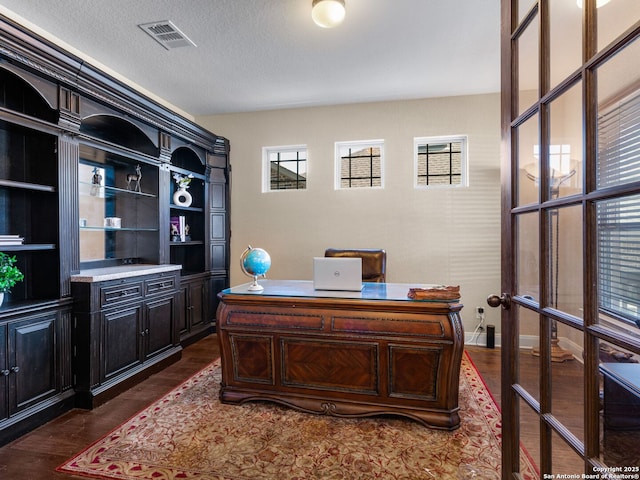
(255, 262)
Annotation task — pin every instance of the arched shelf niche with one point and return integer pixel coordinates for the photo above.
(19, 95)
(120, 132)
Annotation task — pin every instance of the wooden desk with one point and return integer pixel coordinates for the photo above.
(346, 354)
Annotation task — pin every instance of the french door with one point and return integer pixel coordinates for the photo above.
(571, 236)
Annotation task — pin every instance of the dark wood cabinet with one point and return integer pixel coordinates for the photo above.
(35, 380)
(126, 328)
(61, 118)
(194, 296)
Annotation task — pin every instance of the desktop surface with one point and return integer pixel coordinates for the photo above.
(304, 288)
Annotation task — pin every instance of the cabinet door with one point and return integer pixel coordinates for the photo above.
(160, 326)
(4, 373)
(183, 316)
(32, 361)
(197, 303)
(122, 340)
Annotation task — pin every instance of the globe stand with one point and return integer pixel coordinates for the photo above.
(255, 286)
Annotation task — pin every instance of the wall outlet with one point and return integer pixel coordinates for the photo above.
(479, 312)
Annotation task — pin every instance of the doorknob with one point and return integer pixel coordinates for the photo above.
(496, 301)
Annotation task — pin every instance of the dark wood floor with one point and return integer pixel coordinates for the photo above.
(36, 455)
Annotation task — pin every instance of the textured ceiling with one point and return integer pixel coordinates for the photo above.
(268, 54)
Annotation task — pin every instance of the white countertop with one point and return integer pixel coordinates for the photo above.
(121, 271)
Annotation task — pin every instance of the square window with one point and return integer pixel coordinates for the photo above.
(284, 168)
(360, 164)
(440, 162)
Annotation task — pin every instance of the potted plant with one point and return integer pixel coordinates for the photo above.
(9, 274)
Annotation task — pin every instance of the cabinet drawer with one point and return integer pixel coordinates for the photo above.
(120, 292)
(160, 285)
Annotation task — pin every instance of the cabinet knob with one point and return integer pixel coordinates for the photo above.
(15, 369)
(4, 373)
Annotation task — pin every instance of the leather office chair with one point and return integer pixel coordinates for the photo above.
(374, 261)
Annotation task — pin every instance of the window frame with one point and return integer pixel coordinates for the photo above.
(360, 144)
(266, 166)
(464, 161)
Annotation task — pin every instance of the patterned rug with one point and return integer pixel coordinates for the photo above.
(189, 434)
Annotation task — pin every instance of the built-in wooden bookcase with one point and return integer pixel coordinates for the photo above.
(72, 331)
(188, 249)
(29, 227)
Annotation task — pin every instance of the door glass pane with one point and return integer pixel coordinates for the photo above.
(618, 241)
(529, 437)
(529, 361)
(564, 461)
(528, 53)
(565, 31)
(528, 256)
(523, 8)
(619, 119)
(614, 18)
(567, 379)
(528, 162)
(565, 282)
(620, 419)
(565, 143)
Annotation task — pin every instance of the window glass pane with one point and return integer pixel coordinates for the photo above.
(528, 76)
(620, 419)
(619, 119)
(528, 162)
(614, 18)
(619, 259)
(529, 338)
(564, 460)
(565, 143)
(565, 228)
(565, 39)
(529, 436)
(286, 168)
(359, 164)
(528, 256)
(567, 378)
(440, 161)
(523, 8)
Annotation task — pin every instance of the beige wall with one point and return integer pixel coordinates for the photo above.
(441, 236)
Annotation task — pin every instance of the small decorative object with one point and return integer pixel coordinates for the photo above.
(255, 262)
(179, 229)
(9, 274)
(113, 222)
(440, 292)
(96, 182)
(135, 179)
(182, 197)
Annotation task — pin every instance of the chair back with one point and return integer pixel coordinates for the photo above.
(374, 261)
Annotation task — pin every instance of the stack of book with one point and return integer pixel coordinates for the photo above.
(11, 240)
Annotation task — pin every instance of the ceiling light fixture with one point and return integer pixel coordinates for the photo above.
(328, 13)
(599, 3)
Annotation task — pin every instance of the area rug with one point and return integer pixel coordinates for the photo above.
(189, 434)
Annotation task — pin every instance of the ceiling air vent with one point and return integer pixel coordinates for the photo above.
(167, 34)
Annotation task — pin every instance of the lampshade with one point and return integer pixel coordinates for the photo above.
(327, 13)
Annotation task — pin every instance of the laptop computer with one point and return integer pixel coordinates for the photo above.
(337, 273)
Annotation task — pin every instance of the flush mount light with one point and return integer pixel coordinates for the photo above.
(599, 3)
(328, 13)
